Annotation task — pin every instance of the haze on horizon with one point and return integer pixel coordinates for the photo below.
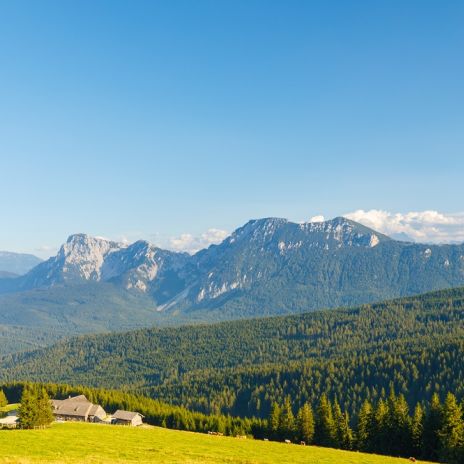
(179, 121)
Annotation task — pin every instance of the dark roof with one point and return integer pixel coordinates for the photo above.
(77, 406)
(95, 409)
(126, 415)
(78, 398)
(71, 408)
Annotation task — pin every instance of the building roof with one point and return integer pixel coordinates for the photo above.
(72, 408)
(78, 398)
(77, 406)
(95, 409)
(126, 415)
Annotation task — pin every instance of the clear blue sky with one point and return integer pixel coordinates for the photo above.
(154, 118)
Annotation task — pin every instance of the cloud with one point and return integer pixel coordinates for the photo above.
(45, 251)
(192, 244)
(318, 218)
(418, 226)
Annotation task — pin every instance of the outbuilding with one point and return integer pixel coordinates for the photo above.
(121, 417)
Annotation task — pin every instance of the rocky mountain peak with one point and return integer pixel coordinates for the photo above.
(84, 255)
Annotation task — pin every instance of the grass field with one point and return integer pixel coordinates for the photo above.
(9, 407)
(92, 443)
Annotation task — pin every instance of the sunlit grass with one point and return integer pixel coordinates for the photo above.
(92, 443)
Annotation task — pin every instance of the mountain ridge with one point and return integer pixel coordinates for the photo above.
(17, 263)
(269, 266)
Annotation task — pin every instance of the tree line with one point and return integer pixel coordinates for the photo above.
(417, 369)
(432, 430)
(155, 412)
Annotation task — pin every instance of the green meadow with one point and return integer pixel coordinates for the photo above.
(92, 443)
(8, 407)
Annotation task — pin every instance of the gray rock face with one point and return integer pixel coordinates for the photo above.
(268, 266)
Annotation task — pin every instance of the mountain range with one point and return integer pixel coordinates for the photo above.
(267, 267)
(14, 264)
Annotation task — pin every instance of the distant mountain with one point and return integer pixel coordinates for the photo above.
(273, 266)
(7, 275)
(17, 263)
(402, 236)
(267, 267)
(87, 259)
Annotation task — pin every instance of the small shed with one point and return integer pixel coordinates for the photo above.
(127, 418)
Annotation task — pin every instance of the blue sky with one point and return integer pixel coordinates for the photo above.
(155, 119)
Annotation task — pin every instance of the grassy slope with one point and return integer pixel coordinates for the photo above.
(91, 443)
(9, 407)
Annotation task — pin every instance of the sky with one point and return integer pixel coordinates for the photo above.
(178, 121)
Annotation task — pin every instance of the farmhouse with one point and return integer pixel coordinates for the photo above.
(127, 418)
(77, 408)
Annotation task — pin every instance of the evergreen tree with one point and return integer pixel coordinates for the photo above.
(306, 423)
(451, 433)
(274, 421)
(3, 400)
(325, 426)
(380, 431)
(343, 432)
(287, 421)
(44, 408)
(365, 426)
(432, 426)
(28, 410)
(400, 427)
(417, 429)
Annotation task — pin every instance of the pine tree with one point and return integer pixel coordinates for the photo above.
(306, 423)
(343, 432)
(400, 427)
(417, 429)
(28, 410)
(3, 400)
(432, 425)
(274, 421)
(380, 430)
(44, 409)
(287, 421)
(451, 433)
(365, 427)
(325, 426)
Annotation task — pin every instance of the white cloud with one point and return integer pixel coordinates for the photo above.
(45, 251)
(318, 218)
(418, 226)
(192, 244)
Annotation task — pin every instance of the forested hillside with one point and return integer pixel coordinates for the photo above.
(414, 344)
